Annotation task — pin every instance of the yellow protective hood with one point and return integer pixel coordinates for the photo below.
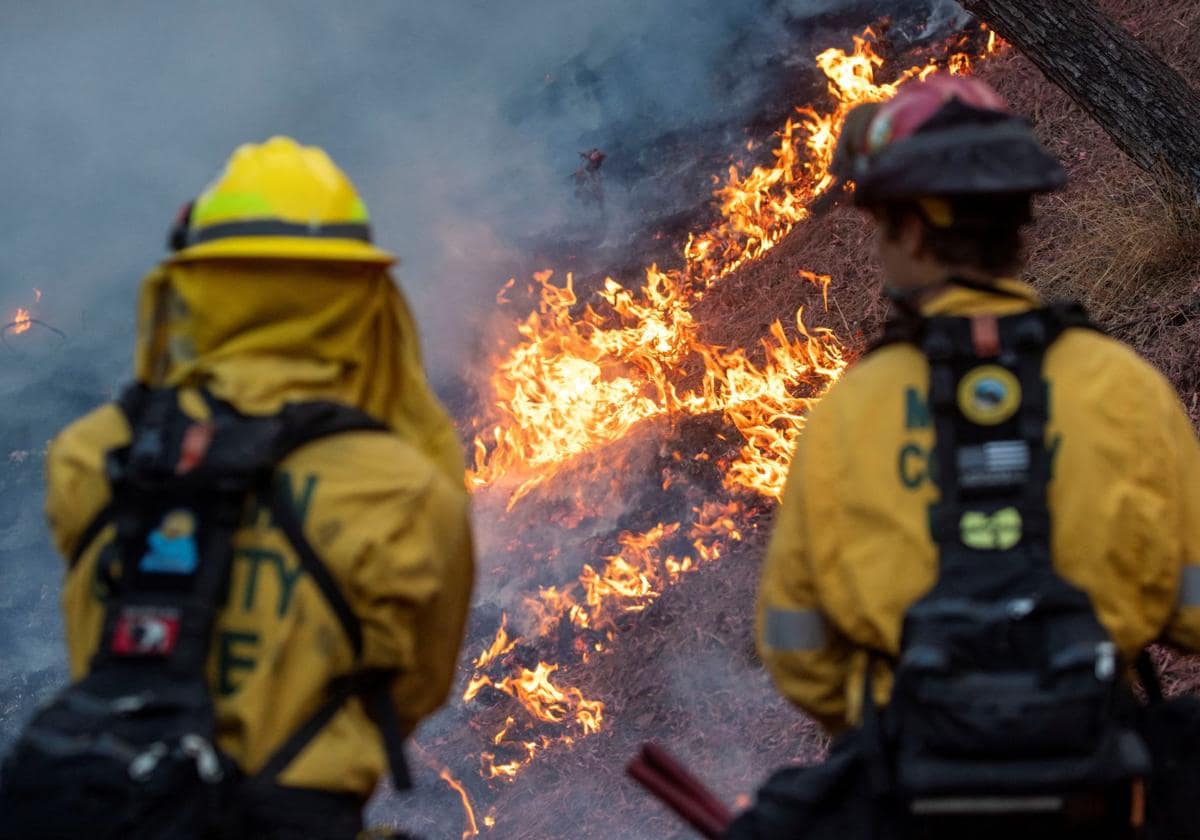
(261, 332)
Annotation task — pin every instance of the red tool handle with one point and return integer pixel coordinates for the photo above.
(680, 791)
(667, 765)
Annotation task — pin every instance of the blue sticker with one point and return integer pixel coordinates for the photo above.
(172, 546)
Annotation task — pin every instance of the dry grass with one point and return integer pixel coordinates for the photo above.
(1123, 241)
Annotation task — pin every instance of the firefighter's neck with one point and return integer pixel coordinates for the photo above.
(921, 292)
(911, 271)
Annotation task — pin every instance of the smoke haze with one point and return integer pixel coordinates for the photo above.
(460, 122)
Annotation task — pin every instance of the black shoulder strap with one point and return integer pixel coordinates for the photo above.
(904, 329)
(102, 519)
(1148, 674)
(129, 402)
(304, 423)
(909, 328)
(1064, 315)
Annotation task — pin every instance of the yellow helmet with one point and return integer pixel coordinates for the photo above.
(282, 200)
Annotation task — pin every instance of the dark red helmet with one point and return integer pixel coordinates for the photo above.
(946, 136)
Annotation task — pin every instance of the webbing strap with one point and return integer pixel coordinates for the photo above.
(909, 327)
(130, 403)
(283, 514)
(308, 422)
(1149, 677)
(99, 522)
(339, 692)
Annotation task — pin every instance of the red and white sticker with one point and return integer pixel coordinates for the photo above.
(146, 631)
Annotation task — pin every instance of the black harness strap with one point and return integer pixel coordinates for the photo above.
(909, 327)
(1148, 674)
(304, 423)
(948, 344)
(130, 403)
(99, 522)
(283, 514)
(339, 692)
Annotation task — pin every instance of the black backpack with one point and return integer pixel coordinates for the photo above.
(1008, 693)
(130, 750)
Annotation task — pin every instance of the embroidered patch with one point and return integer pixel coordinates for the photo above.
(146, 631)
(171, 547)
(996, 463)
(196, 441)
(988, 395)
(999, 531)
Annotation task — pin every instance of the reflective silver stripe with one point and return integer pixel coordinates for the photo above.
(1189, 587)
(795, 630)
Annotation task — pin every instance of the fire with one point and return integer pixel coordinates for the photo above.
(542, 699)
(583, 374)
(22, 319)
(544, 703)
(500, 646)
(472, 828)
(586, 370)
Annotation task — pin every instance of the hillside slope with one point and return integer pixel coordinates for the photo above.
(1116, 239)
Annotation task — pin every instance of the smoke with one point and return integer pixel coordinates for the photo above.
(461, 123)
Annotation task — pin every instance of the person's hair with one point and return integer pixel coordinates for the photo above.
(984, 232)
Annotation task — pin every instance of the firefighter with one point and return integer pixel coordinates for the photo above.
(274, 296)
(877, 514)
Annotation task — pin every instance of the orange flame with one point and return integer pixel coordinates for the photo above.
(583, 376)
(501, 645)
(472, 828)
(21, 321)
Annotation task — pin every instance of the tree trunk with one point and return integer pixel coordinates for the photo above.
(1144, 105)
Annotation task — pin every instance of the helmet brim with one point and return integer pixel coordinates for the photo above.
(996, 159)
(286, 247)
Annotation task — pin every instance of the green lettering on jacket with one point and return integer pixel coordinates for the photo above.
(259, 514)
(236, 654)
(302, 500)
(916, 410)
(912, 464)
(256, 557)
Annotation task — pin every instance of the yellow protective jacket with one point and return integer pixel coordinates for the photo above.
(851, 548)
(386, 512)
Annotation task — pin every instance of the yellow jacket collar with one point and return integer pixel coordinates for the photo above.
(1014, 297)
